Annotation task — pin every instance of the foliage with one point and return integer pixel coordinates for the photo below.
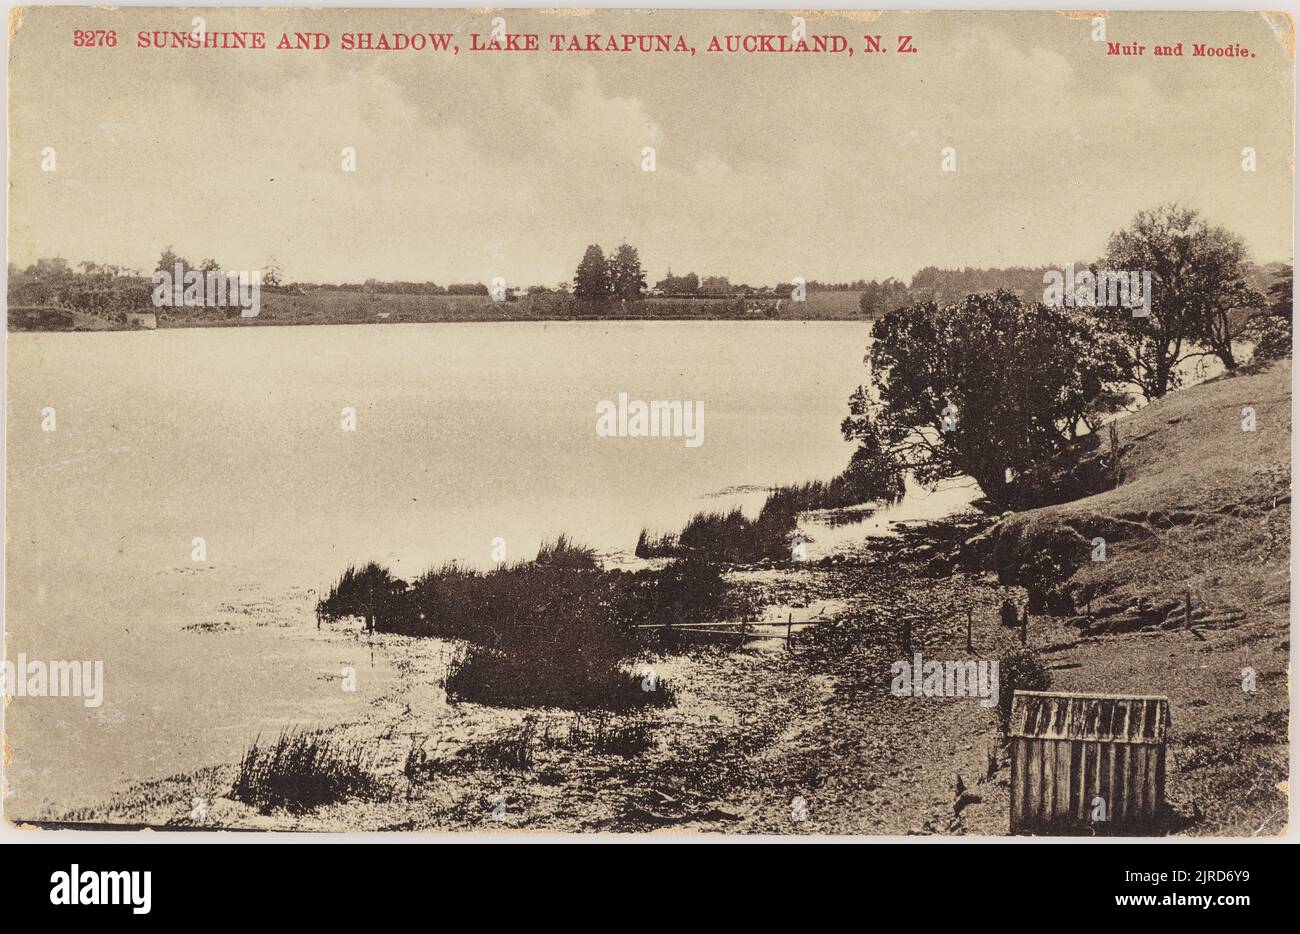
(732, 537)
(592, 280)
(1199, 294)
(988, 387)
(1021, 671)
(557, 630)
(302, 771)
(1271, 333)
(627, 279)
(369, 591)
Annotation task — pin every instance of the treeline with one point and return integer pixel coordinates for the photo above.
(1011, 390)
(945, 286)
(110, 291)
(103, 290)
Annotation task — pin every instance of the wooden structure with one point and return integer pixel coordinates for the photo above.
(742, 631)
(1087, 763)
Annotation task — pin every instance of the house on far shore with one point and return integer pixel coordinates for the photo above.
(145, 320)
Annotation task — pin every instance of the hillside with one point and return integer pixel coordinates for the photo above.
(1202, 508)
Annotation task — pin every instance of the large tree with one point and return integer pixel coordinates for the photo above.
(989, 387)
(1200, 300)
(626, 277)
(591, 281)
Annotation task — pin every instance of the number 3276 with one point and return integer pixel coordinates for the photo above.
(87, 38)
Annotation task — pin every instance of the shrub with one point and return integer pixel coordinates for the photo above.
(1021, 671)
(303, 771)
(554, 631)
(1272, 337)
(369, 591)
(731, 537)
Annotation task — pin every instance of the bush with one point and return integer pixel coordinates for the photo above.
(369, 591)
(303, 771)
(554, 631)
(732, 538)
(1272, 337)
(1021, 671)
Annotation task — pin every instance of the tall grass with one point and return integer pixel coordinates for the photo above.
(301, 771)
(558, 630)
(731, 537)
(369, 591)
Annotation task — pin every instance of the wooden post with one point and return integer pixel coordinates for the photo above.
(1024, 627)
(789, 624)
(969, 613)
(907, 635)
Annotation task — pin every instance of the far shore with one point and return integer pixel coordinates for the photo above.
(283, 308)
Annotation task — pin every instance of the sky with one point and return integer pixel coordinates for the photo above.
(767, 166)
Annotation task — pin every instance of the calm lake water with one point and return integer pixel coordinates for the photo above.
(464, 433)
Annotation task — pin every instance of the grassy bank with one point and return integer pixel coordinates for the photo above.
(1200, 520)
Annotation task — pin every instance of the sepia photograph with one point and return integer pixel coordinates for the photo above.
(669, 424)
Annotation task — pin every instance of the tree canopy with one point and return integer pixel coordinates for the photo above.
(989, 387)
(1199, 294)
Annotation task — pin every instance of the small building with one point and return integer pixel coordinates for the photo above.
(1087, 763)
(146, 320)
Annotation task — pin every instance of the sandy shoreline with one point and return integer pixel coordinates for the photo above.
(753, 730)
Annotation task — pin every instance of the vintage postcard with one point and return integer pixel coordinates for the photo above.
(731, 422)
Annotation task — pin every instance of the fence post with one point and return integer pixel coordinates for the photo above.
(969, 614)
(789, 625)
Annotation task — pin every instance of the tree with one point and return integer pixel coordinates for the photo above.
(167, 262)
(49, 268)
(1271, 333)
(271, 274)
(989, 387)
(627, 279)
(1198, 293)
(591, 281)
(679, 285)
(880, 297)
(1226, 301)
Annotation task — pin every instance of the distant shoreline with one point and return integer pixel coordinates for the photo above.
(79, 322)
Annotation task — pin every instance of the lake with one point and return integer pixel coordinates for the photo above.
(465, 434)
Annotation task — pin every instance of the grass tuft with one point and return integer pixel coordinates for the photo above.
(302, 771)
